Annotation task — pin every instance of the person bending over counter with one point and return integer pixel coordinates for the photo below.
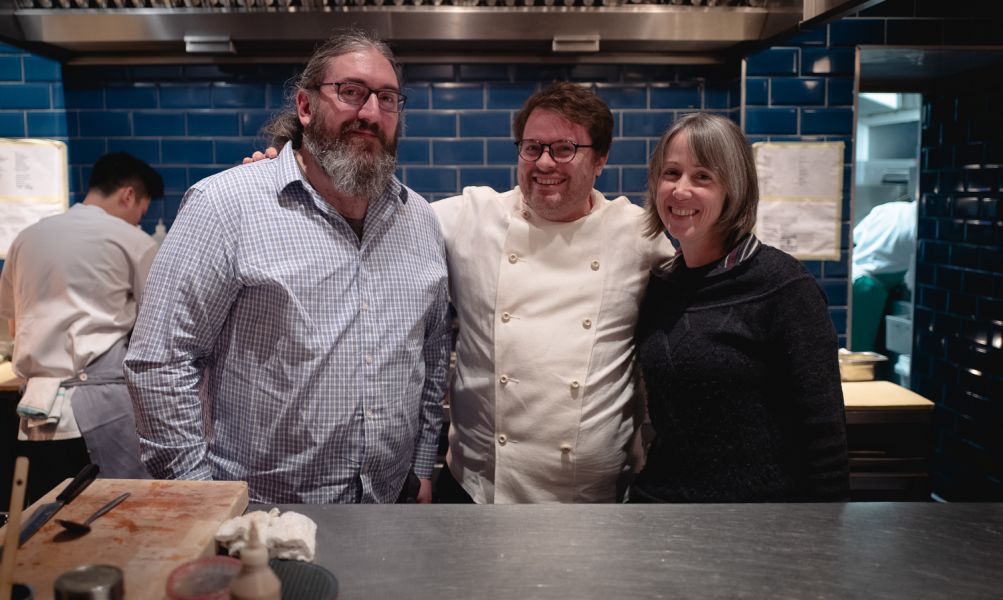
(735, 344)
(71, 287)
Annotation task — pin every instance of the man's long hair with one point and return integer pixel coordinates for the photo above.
(286, 126)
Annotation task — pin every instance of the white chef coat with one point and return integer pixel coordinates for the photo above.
(72, 283)
(543, 403)
(885, 241)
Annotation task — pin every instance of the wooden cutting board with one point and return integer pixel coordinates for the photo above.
(160, 526)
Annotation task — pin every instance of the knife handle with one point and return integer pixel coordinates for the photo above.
(79, 483)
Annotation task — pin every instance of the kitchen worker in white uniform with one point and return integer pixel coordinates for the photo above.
(546, 280)
(70, 290)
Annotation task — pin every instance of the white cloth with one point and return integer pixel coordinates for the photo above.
(885, 241)
(72, 283)
(46, 411)
(543, 404)
(289, 535)
(39, 398)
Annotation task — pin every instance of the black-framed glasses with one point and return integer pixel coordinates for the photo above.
(356, 94)
(562, 151)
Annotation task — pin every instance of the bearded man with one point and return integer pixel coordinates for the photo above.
(294, 333)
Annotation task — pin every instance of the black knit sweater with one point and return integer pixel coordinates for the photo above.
(742, 378)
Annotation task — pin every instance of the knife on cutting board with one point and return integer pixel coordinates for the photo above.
(47, 511)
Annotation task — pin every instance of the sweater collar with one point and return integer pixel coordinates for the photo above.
(739, 254)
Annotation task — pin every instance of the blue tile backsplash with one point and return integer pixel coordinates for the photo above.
(12, 124)
(458, 152)
(675, 97)
(47, 124)
(215, 124)
(797, 91)
(457, 95)
(37, 68)
(24, 96)
(827, 61)
(10, 68)
(771, 120)
(773, 61)
(486, 124)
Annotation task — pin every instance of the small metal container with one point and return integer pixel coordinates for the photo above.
(859, 366)
(90, 582)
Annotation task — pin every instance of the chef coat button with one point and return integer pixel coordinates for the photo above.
(502, 439)
(587, 323)
(575, 385)
(595, 265)
(565, 448)
(525, 214)
(506, 317)
(503, 379)
(512, 258)
(82, 377)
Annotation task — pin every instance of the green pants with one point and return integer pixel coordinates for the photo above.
(870, 297)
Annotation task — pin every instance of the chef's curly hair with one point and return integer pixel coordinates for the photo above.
(286, 126)
(576, 103)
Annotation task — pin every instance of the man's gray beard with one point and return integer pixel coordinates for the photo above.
(352, 172)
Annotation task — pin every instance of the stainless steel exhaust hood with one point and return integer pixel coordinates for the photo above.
(534, 31)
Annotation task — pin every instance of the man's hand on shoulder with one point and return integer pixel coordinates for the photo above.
(269, 152)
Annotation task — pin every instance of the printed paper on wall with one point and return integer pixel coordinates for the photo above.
(34, 183)
(800, 197)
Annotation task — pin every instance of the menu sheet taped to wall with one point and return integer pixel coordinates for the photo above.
(800, 197)
(34, 183)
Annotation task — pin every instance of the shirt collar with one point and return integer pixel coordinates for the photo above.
(739, 254)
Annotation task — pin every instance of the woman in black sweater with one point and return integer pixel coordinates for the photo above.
(734, 341)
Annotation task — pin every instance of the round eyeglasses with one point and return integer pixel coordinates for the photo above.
(562, 151)
(356, 94)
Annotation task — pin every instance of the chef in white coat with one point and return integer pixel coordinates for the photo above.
(546, 280)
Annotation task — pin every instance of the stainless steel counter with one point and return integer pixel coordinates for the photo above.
(856, 550)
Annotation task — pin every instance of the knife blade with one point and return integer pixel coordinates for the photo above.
(45, 512)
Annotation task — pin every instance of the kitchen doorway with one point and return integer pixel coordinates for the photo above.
(883, 229)
(890, 83)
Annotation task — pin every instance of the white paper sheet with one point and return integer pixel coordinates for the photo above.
(33, 184)
(806, 229)
(801, 197)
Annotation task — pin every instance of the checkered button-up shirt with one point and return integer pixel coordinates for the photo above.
(273, 346)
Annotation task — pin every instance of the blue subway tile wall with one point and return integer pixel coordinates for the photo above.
(457, 95)
(487, 124)
(194, 120)
(37, 68)
(50, 124)
(958, 355)
(12, 124)
(10, 68)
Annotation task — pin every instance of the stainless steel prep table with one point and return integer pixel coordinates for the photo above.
(854, 550)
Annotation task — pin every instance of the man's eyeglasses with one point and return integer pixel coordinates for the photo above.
(562, 152)
(356, 94)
